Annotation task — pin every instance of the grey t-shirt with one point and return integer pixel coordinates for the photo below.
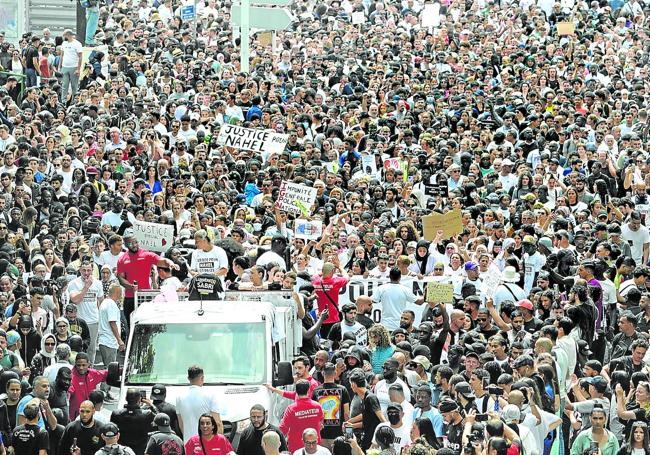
(585, 408)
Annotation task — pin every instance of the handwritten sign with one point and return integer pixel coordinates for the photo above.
(358, 17)
(154, 236)
(310, 230)
(250, 139)
(490, 282)
(449, 223)
(439, 292)
(295, 198)
(431, 15)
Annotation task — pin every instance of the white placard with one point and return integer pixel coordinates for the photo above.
(490, 282)
(154, 236)
(310, 230)
(358, 17)
(431, 15)
(369, 165)
(250, 139)
(295, 198)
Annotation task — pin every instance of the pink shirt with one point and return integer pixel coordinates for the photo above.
(137, 267)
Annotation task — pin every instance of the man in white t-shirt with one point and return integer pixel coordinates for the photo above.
(196, 401)
(70, 65)
(109, 335)
(393, 297)
(87, 293)
(395, 415)
(110, 256)
(208, 258)
(634, 232)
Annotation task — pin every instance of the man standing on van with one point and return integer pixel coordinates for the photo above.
(195, 402)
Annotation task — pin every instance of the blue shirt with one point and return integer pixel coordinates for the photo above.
(21, 406)
(434, 416)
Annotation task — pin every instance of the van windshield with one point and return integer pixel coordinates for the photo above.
(230, 353)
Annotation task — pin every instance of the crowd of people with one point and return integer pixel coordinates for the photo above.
(528, 120)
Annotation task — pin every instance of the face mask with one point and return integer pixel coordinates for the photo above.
(393, 418)
(257, 227)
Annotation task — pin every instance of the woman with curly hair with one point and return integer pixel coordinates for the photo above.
(407, 232)
(380, 346)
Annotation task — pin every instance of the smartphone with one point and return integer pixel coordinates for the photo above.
(349, 432)
(143, 394)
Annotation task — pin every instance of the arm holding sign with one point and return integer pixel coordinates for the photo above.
(498, 321)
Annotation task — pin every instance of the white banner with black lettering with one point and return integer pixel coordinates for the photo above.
(259, 141)
(154, 236)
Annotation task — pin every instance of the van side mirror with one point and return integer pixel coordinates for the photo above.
(114, 374)
(284, 375)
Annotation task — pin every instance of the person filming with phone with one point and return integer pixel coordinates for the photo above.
(134, 420)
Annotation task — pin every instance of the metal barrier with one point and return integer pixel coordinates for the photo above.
(148, 295)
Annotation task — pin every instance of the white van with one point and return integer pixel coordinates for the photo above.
(241, 345)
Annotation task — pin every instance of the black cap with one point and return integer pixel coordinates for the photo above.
(158, 392)
(110, 430)
(522, 361)
(162, 421)
(447, 405)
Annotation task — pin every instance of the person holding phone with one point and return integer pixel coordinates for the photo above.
(134, 420)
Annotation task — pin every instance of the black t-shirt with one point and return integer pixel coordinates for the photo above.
(164, 444)
(29, 439)
(365, 321)
(332, 398)
(134, 424)
(30, 54)
(89, 439)
(533, 325)
(490, 332)
(369, 417)
(251, 440)
(454, 436)
(206, 286)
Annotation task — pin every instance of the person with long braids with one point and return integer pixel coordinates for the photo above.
(208, 441)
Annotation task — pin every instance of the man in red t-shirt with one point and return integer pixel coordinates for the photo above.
(327, 287)
(301, 414)
(134, 271)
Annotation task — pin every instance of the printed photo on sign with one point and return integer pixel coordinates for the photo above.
(310, 230)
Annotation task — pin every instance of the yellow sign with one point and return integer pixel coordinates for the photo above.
(440, 292)
(449, 223)
(566, 28)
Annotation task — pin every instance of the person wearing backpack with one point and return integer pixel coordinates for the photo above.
(111, 436)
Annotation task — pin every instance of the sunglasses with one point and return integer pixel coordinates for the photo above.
(49, 344)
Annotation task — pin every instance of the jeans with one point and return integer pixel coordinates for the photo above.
(92, 348)
(30, 80)
(69, 79)
(92, 19)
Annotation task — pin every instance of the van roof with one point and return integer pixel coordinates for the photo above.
(213, 312)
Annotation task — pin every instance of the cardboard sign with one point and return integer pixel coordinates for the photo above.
(250, 139)
(566, 28)
(310, 230)
(439, 292)
(295, 198)
(358, 17)
(449, 223)
(154, 236)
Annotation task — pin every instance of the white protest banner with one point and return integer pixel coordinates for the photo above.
(154, 236)
(358, 17)
(310, 230)
(249, 139)
(295, 198)
(359, 286)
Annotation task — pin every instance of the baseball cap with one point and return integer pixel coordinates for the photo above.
(158, 392)
(464, 389)
(599, 383)
(525, 303)
(522, 361)
(110, 430)
(510, 413)
(162, 421)
(471, 265)
(422, 360)
(295, 155)
(394, 406)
